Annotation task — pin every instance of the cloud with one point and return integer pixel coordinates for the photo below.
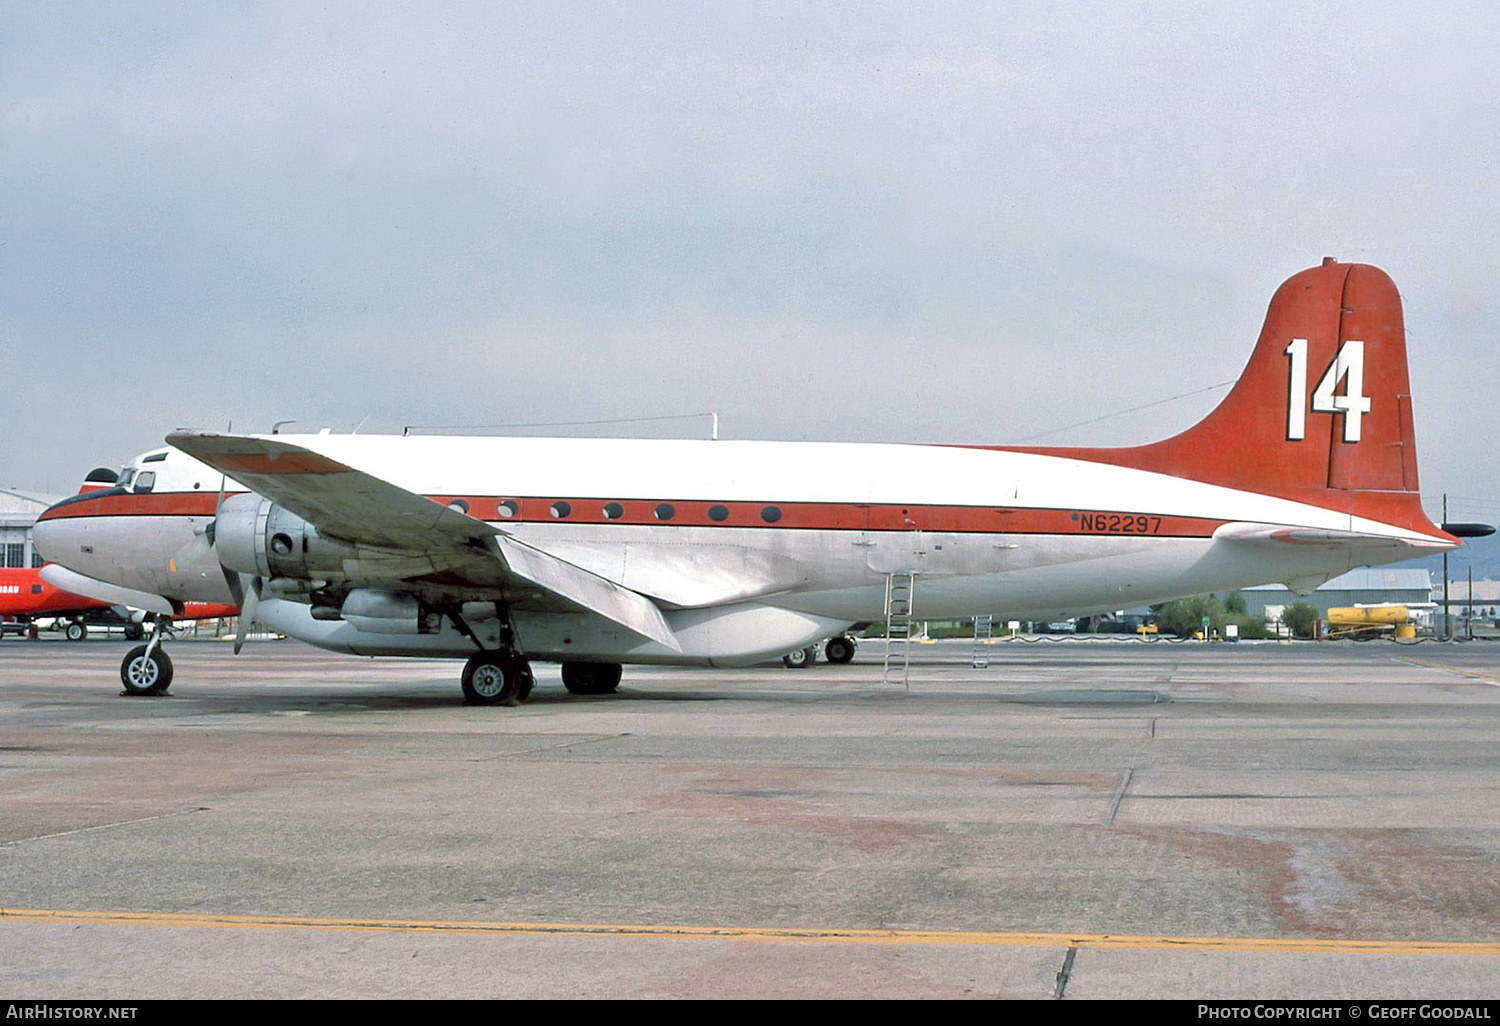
(883, 222)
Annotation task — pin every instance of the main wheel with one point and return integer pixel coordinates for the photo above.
(134, 632)
(146, 676)
(591, 678)
(801, 658)
(496, 678)
(75, 631)
(839, 650)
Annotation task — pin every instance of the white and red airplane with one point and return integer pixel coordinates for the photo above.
(600, 552)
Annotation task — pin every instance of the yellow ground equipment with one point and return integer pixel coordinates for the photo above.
(1370, 621)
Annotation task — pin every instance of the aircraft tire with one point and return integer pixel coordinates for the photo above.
(142, 676)
(134, 632)
(75, 631)
(839, 650)
(495, 678)
(592, 678)
(800, 659)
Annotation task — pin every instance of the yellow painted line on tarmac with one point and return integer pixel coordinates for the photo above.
(1487, 678)
(952, 938)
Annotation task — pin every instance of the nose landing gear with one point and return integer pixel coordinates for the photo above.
(146, 669)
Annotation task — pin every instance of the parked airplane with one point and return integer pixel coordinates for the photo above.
(26, 597)
(28, 594)
(600, 552)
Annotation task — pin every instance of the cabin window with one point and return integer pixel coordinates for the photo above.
(459, 504)
(561, 509)
(718, 514)
(770, 514)
(665, 511)
(508, 509)
(613, 511)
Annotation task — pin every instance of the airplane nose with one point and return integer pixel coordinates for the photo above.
(50, 537)
(59, 533)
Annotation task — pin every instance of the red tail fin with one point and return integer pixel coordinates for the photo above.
(1322, 413)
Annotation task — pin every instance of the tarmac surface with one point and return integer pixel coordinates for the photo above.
(1077, 820)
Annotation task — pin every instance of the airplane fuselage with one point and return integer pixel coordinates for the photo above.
(755, 548)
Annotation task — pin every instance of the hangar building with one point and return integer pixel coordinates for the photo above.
(18, 512)
(1366, 586)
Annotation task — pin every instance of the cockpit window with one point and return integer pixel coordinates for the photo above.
(155, 457)
(145, 482)
(126, 475)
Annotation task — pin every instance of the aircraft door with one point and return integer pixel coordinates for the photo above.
(895, 542)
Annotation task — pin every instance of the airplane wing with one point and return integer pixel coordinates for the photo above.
(352, 505)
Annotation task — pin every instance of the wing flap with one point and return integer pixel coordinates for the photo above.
(592, 592)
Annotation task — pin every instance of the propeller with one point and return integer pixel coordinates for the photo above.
(246, 591)
(244, 588)
(202, 541)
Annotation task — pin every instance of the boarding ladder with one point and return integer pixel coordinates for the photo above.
(984, 630)
(899, 591)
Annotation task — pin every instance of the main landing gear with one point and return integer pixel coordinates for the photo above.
(839, 650)
(503, 678)
(591, 678)
(496, 678)
(146, 669)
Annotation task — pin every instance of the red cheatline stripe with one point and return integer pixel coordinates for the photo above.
(820, 516)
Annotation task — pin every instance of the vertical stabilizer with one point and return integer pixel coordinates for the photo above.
(1322, 412)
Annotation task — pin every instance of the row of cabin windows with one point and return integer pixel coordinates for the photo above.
(561, 510)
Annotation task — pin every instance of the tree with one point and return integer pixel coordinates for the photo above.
(1184, 617)
(1299, 617)
(1234, 602)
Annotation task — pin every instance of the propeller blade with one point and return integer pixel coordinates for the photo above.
(247, 612)
(236, 588)
(196, 548)
(201, 542)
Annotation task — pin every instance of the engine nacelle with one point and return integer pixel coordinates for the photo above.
(389, 612)
(253, 535)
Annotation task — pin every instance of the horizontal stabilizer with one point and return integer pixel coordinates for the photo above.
(1283, 535)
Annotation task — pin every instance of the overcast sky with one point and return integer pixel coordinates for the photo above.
(885, 222)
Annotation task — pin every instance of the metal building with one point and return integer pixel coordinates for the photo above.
(18, 512)
(1363, 587)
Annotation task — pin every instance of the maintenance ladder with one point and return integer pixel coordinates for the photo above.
(899, 592)
(984, 630)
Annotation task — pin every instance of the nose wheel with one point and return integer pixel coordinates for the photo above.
(146, 672)
(146, 669)
(496, 678)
